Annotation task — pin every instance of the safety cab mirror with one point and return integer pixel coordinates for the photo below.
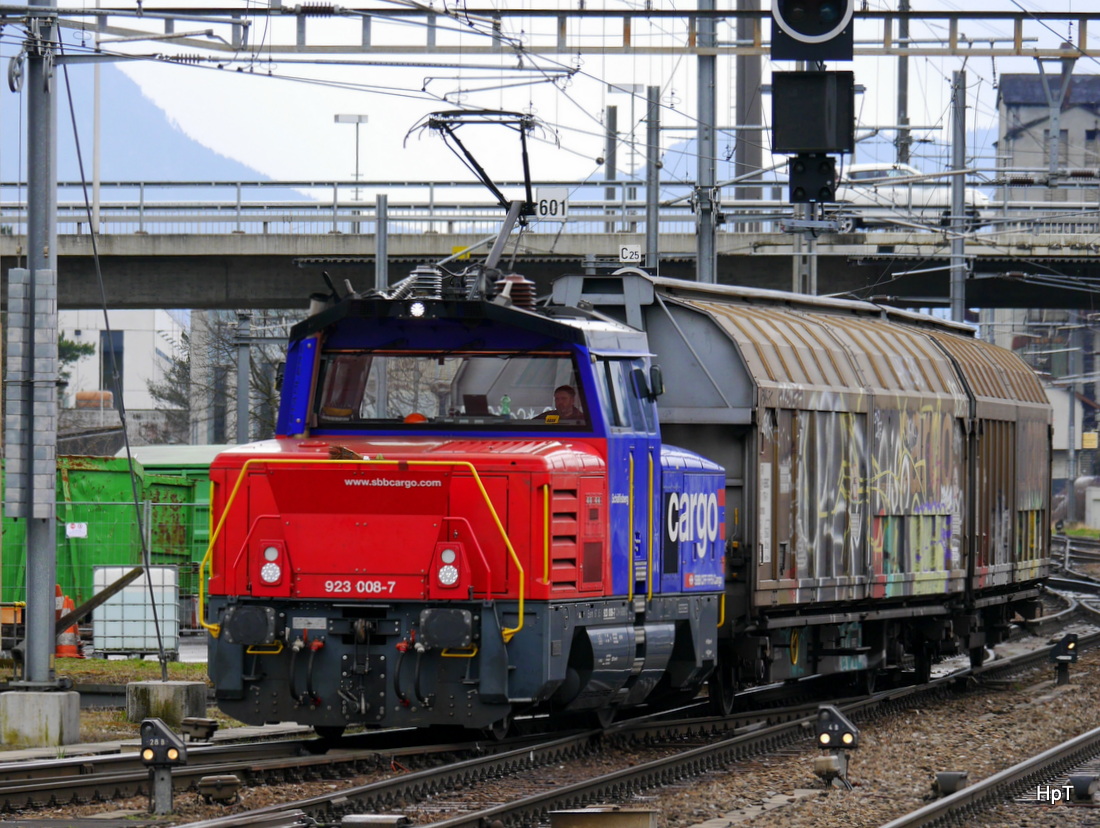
(656, 382)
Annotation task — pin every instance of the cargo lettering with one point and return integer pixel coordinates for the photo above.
(693, 518)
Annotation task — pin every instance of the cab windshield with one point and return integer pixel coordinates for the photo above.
(416, 391)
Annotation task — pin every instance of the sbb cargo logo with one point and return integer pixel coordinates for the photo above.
(692, 517)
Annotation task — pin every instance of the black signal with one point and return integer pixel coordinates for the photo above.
(812, 30)
(160, 747)
(812, 179)
(1065, 651)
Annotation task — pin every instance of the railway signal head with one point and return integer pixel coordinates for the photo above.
(813, 30)
(834, 731)
(160, 747)
(1065, 651)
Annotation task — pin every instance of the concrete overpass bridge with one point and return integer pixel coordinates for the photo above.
(227, 251)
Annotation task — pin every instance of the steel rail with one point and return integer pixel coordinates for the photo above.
(753, 732)
(749, 739)
(995, 788)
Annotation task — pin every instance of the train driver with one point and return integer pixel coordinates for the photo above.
(565, 407)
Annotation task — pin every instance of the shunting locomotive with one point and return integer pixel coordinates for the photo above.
(734, 486)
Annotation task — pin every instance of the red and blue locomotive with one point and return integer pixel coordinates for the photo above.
(430, 541)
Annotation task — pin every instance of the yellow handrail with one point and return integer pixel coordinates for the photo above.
(630, 525)
(649, 530)
(507, 633)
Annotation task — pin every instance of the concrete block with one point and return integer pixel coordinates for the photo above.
(170, 701)
(39, 719)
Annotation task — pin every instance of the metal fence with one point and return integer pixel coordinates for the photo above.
(320, 207)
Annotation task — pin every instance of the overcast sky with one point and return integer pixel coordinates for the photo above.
(278, 117)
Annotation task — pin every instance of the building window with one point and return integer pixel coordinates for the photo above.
(1092, 147)
(111, 366)
(1063, 146)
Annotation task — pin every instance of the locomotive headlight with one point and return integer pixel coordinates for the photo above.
(271, 553)
(448, 556)
(270, 573)
(417, 309)
(448, 574)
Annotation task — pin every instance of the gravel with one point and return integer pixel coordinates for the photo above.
(981, 731)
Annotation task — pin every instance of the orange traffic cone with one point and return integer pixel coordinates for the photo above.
(68, 643)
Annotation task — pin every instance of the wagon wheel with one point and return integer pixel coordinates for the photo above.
(863, 681)
(498, 730)
(977, 656)
(603, 717)
(923, 658)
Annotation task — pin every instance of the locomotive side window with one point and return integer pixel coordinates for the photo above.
(417, 390)
(625, 407)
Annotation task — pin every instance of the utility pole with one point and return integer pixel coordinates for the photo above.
(1055, 100)
(610, 160)
(244, 345)
(38, 713)
(705, 190)
(958, 198)
(381, 242)
(39, 415)
(1074, 366)
(652, 178)
(748, 151)
(904, 137)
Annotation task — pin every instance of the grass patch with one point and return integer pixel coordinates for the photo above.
(109, 724)
(1079, 531)
(117, 671)
(125, 670)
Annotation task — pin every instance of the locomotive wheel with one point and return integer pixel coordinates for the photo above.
(722, 690)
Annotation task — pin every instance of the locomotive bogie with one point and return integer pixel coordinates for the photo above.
(401, 666)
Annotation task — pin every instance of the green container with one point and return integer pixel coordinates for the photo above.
(97, 524)
(192, 463)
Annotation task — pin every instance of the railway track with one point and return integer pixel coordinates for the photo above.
(674, 750)
(1046, 777)
(687, 750)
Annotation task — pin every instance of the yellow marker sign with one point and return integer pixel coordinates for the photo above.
(458, 250)
(1088, 440)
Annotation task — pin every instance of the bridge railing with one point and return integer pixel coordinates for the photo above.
(319, 207)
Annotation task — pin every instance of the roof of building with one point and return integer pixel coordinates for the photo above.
(1027, 90)
(174, 455)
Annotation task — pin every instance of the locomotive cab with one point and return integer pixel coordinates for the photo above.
(431, 541)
